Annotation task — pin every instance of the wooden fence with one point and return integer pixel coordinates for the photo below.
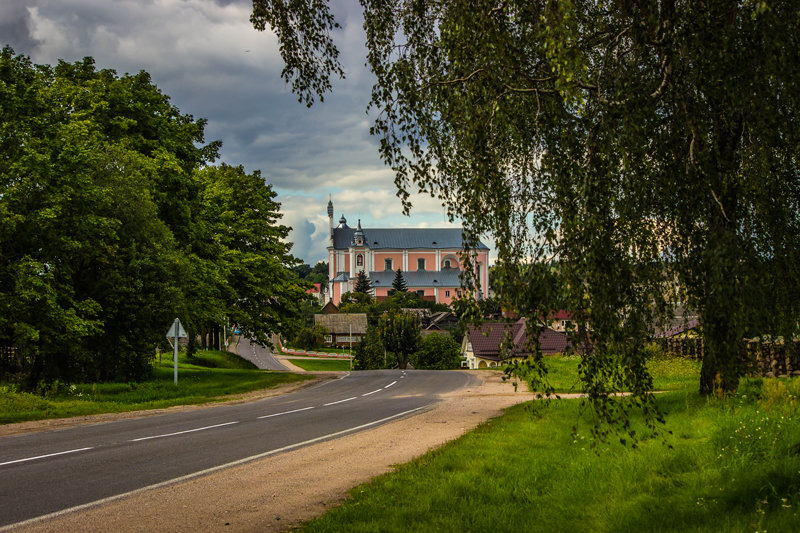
(769, 359)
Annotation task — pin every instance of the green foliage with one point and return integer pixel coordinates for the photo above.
(310, 338)
(399, 282)
(400, 334)
(649, 147)
(112, 223)
(363, 284)
(241, 242)
(88, 181)
(356, 302)
(317, 274)
(437, 352)
(369, 354)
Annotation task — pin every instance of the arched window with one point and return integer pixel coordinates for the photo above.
(446, 263)
(360, 260)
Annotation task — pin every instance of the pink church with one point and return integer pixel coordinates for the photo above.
(429, 258)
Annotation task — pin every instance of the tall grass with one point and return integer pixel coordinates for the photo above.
(729, 464)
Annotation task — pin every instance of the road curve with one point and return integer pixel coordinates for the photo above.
(47, 472)
(261, 356)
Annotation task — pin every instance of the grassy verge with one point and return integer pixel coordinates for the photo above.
(729, 464)
(333, 351)
(206, 378)
(322, 365)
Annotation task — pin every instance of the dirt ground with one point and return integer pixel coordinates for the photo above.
(280, 491)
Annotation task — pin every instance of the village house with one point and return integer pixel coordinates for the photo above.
(430, 259)
(494, 343)
(344, 329)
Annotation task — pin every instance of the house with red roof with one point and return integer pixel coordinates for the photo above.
(316, 290)
(430, 259)
(493, 343)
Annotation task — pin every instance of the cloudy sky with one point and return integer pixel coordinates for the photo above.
(208, 58)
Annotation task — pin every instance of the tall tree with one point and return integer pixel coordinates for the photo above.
(261, 292)
(363, 284)
(400, 334)
(399, 282)
(89, 273)
(649, 146)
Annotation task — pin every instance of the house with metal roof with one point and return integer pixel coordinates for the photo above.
(494, 343)
(430, 260)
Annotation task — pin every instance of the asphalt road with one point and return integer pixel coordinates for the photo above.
(44, 473)
(258, 355)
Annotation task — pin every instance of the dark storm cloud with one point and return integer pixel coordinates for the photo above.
(207, 57)
(15, 22)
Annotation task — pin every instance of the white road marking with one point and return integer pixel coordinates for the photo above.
(203, 472)
(340, 401)
(44, 456)
(287, 412)
(390, 384)
(373, 392)
(182, 432)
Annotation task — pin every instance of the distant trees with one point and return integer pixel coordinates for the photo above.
(113, 222)
(316, 274)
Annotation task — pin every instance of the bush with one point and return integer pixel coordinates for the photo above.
(310, 338)
(437, 352)
(369, 353)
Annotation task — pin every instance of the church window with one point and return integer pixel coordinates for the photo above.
(360, 260)
(421, 263)
(387, 264)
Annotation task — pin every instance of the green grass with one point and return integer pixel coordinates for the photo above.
(206, 378)
(322, 349)
(669, 373)
(729, 464)
(322, 365)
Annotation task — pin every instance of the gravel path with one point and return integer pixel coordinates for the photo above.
(276, 493)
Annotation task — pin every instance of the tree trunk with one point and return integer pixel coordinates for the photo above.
(722, 300)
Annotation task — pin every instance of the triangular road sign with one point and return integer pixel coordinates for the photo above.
(176, 330)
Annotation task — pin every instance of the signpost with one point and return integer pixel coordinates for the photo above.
(176, 332)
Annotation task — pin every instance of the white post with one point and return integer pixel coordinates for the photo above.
(351, 346)
(175, 354)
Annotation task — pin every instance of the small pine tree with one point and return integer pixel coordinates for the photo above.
(362, 283)
(399, 283)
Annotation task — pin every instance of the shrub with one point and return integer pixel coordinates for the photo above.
(310, 338)
(437, 352)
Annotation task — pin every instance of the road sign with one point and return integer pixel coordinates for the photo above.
(176, 330)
